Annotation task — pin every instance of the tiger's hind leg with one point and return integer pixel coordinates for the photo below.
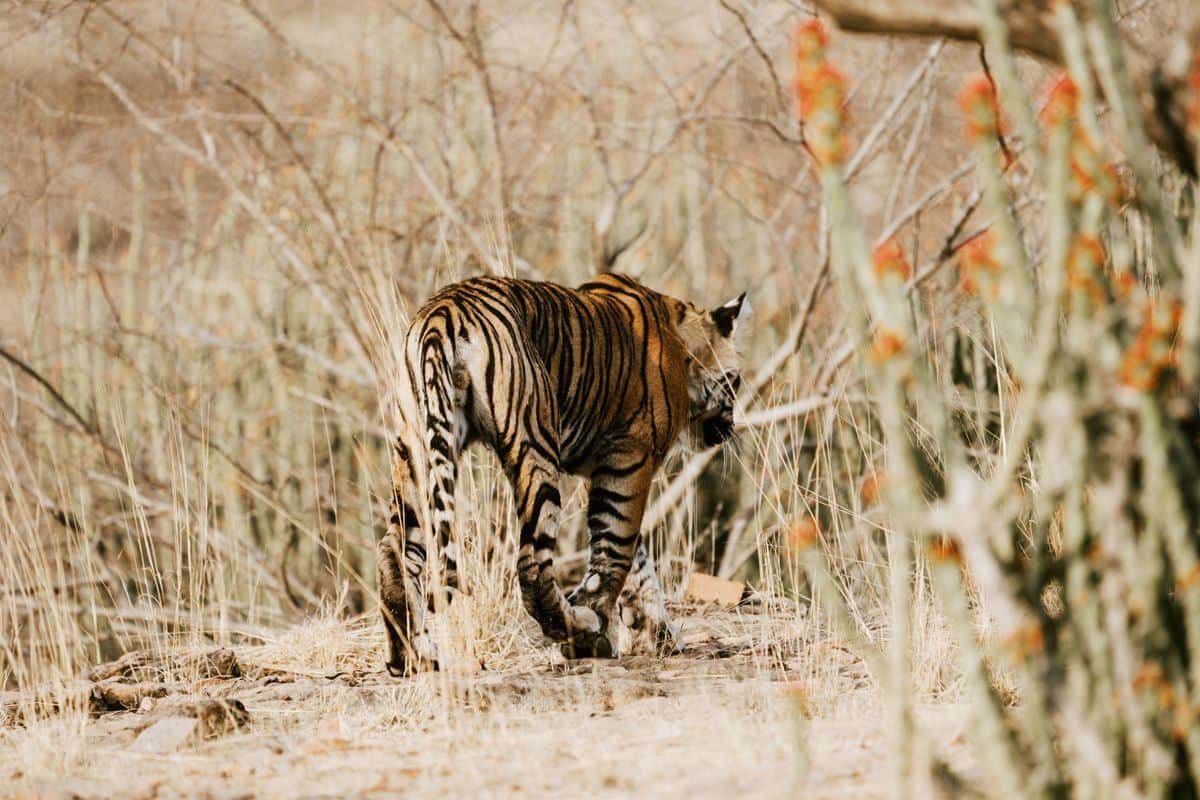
(536, 494)
(517, 415)
(643, 606)
(616, 502)
(400, 564)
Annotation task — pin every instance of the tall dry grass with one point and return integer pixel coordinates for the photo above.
(236, 214)
(220, 218)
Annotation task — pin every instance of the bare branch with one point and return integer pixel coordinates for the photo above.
(51, 390)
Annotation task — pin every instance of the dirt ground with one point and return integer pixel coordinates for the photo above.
(746, 710)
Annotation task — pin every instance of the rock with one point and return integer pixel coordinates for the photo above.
(711, 589)
(219, 663)
(123, 667)
(218, 717)
(142, 665)
(166, 735)
(112, 696)
(201, 719)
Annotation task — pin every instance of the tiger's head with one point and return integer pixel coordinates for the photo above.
(713, 369)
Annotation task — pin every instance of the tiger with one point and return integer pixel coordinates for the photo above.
(598, 381)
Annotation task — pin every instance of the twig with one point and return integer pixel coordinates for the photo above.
(54, 393)
(776, 84)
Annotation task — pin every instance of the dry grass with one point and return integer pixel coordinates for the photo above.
(216, 222)
(728, 718)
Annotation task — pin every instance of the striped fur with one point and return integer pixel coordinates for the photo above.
(598, 381)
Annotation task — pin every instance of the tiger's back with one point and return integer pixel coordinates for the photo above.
(606, 350)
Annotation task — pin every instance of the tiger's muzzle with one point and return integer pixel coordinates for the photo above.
(717, 428)
(712, 421)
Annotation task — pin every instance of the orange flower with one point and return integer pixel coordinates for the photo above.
(976, 257)
(822, 88)
(1091, 172)
(885, 344)
(805, 534)
(1085, 260)
(1086, 247)
(1152, 353)
(944, 549)
(820, 95)
(821, 92)
(1025, 641)
(1125, 282)
(811, 41)
(889, 259)
(871, 488)
(978, 103)
(1109, 184)
(829, 145)
(1150, 675)
(1152, 679)
(1189, 579)
(1062, 101)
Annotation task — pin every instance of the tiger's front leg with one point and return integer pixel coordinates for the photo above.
(616, 502)
(643, 606)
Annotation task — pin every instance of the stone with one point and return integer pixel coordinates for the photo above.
(165, 736)
(703, 588)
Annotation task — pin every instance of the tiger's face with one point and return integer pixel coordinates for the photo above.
(714, 371)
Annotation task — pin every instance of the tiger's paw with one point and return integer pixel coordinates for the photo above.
(420, 656)
(665, 636)
(650, 623)
(583, 644)
(588, 637)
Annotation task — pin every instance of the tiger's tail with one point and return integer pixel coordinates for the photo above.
(440, 404)
(424, 471)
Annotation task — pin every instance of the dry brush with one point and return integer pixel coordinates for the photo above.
(1069, 529)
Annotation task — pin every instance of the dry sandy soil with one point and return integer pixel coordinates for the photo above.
(731, 716)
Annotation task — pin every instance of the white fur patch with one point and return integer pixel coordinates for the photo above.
(584, 619)
(425, 647)
(741, 321)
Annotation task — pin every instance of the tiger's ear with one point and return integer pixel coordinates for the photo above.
(726, 317)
